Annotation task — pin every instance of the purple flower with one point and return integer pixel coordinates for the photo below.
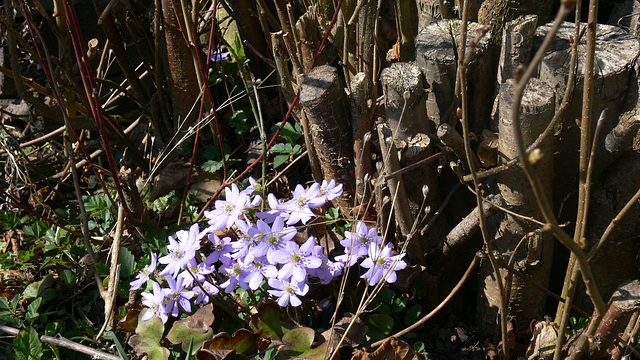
(195, 270)
(270, 216)
(382, 265)
(236, 272)
(296, 260)
(218, 55)
(155, 302)
(244, 243)
(300, 206)
(271, 238)
(180, 252)
(228, 210)
(221, 249)
(203, 297)
(144, 274)
(356, 243)
(177, 296)
(257, 270)
(330, 190)
(287, 292)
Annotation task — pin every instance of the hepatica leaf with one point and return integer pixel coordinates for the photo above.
(196, 328)
(148, 336)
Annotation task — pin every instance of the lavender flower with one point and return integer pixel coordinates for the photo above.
(221, 249)
(274, 211)
(288, 292)
(218, 55)
(382, 265)
(203, 296)
(244, 242)
(144, 274)
(356, 243)
(177, 296)
(300, 206)
(296, 260)
(180, 252)
(228, 210)
(155, 302)
(330, 191)
(271, 238)
(257, 271)
(236, 272)
(196, 272)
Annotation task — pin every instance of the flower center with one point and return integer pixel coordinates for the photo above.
(382, 262)
(364, 240)
(296, 258)
(289, 289)
(177, 254)
(301, 202)
(273, 240)
(228, 208)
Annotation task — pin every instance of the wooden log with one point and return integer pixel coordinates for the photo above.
(405, 108)
(430, 11)
(534, 256)
(618, 141)
(399, 198)
(366, 29)
(436, 55)
(453, 140)
(624, 302)
(615, 53)
(618, 184)
(361, 120)
(309, 35)
(407, 118)
(517, 46)
(325, 104)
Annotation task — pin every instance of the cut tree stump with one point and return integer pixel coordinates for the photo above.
(326, 106)
(406, 112)
(534, 256)
(436, 55)
(517, 45)
(615, 55)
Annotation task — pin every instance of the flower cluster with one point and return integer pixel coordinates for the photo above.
(264, 251)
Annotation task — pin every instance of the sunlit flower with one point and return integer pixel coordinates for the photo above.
(177, 295)
(356, 243)
(299, 208)
(287, 292)
(144, 274)
(181, 251)
(296, 260)
(155, 302)
(382, 264)
(228, 210)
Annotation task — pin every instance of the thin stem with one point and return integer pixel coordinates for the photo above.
(539, 191)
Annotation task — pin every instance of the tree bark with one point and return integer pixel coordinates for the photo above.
(436, 55)
(324, 102)
(615, 53)
(534, 256)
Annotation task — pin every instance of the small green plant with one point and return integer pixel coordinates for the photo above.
(287, 150)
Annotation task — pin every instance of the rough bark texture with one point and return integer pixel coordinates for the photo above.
(615, 54)
(517, 45)
(534, 256)
(624, 302)
(361, 121)
(429, 11)
(324, 101)
(618, 141)
(405, 108)
(436, 55)
(182, 74)
(619, 183)
(407, 118)
(309, 34)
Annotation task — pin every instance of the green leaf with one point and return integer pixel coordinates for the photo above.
(243, 341)
(282, 148)
(237, 49)
(413, 314)
(288, 132)
(240, 121)
(279, 160)
(32, 309)
(148, 336)
(127, 263)
(269, 319)
(4, 303)
(37, 288)
(27, 345)
(380, 325)
(194, 329)
(298, 346)
(68, 277)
